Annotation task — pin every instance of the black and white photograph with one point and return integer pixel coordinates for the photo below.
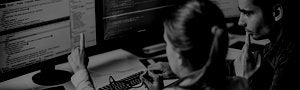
(148, 45)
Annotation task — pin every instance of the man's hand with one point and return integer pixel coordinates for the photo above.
(77, 58)
(245, 65)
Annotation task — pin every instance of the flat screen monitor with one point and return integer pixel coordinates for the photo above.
(39, 34)
(228, 7)
(132, 24)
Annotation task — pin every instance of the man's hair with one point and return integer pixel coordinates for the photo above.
(267, 7)
(189, 29)
(267, 4)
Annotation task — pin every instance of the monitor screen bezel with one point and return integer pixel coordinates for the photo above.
(91, 50)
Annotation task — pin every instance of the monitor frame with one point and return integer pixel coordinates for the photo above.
(151, 36)
(92, 50)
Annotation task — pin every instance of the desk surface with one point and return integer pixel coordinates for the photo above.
(118, 64)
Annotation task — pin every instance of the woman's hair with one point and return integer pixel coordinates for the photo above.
(189, 30)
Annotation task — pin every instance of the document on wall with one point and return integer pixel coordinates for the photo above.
(83, 20)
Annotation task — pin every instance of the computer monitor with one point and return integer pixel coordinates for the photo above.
(228, 7)
(39, 34)
(137, 23)
(231, 13)
(132, 24)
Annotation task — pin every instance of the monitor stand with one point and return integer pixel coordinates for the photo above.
(49, 76)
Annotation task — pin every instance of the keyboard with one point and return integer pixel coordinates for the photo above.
(125, 83)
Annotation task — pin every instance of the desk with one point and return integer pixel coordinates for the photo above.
(117, 63)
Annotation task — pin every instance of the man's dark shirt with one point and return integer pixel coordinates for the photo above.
(279, 67)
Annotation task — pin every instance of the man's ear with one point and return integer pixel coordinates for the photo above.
(277, 12)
